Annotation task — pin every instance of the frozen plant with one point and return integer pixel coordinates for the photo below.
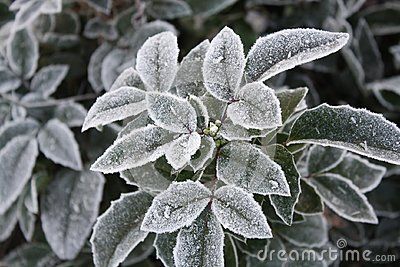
(215, 152)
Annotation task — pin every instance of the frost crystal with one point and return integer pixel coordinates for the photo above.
(200, 244)
(157, 61)
(248, 167)
(171, 112)
(223, 65)
(237, 211)
(286, 49)
(257, 107)
(180, 150)
(176, 207)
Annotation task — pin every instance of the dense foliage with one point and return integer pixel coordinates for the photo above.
(213, 149)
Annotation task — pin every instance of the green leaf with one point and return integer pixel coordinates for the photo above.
(168, 9)
(343, 197)
(164, 245)
(284, 205)
(117, 231)
(356, 130)
(321, 159)
(115, 105)
(176, 207)
(68, 210)
(17, 160)
(246, 166)
(290, 100)
(200, 244)
(309, 202)
(364, 174)
(313, 232)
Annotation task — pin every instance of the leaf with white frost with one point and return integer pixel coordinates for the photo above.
(205, 153)
(110, 66)
(313, 232)
(94, 67)
(117, 231)
(8, 80)
(157, 61)
(223, 65)
(246, 166)
(284, 206)
(200, 244)
(26, 220)
(168, 9)
(103, 6)
(17, 160)
(287, 49)
(171, 113)
(290, 100)
(31, 254)
(23, 53)
(8, 220)
(141, 252)
(57, 142)
(68, 210)
(128, 77)
(356, 130)
(140, 121)
(364, 174)
(309, 202)
(207, 8)
(135, 149)
(384, 91)
(176, 207)
(256, 106)
(215, 107)
(344, 198)
(48, 78)
(189, 78)
(237, 211)
(164, 245)
(203, 118)
(232, 132)
(180, 150)
(115, 105)
(70, 113)
(11, 129)
(27, 14)
(321, 159)
(97, 27)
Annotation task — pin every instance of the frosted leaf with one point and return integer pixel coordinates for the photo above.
(103, 6)
(246, 166)
(17, 4)
(94, 67)
(215, 107)
(26, 220)
(52, 7)
(256, 107)
(23, 53)
(290, 100)
(313, 232)
(284, 206)
(157, 61)
(110, 66)
(200, 244)
(8, 220)
(356, 130)
(97, 27)
(176, 207)
(201, 110)
(8, 80)
(232, 132)
(48, 78)
(11, 129)
(70, 113)
(223, 65)
(164, 245)
(274, 260)
(27, 14)
(68, 210)
(31, 254)
(364, 174)
(117, 231)
(31, 201)
(321, 159)
(309, 202)
(384, 87)
(168, 9)
(237, 211)
(287, 49)
(17, 160)
(205, 153)
(180, 150)
(115, 105)
(344, 198)
(171, 113)
(189, 78)
(141, 146)
(141, 252)
(128, 77)
(57, 142)
(354, 66)
(142, 120)
(147, 178)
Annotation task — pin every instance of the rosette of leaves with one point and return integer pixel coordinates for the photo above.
(212, 150)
